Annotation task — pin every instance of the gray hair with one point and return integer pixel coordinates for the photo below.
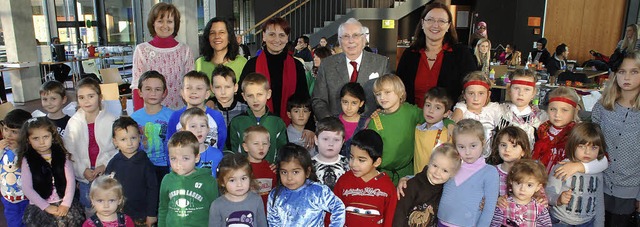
(350, 21)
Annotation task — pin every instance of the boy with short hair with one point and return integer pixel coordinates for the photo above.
(368, 195)
(187, 192)
(13, 198)
(329, 164)
(256, 143)
(224, 88)
(256, 92)
(153, 121)
(53, 96)
(299, 111)
(195, 121)
(135, 172)
(195, 91)
(436, 108)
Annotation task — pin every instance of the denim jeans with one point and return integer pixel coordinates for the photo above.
(84, 194)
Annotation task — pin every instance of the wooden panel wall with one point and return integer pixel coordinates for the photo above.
(584, 25)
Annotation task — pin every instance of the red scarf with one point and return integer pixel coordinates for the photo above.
(167, 42)
(542, 149)
(289, 76)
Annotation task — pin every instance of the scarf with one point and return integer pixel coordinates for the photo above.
(167, 42)
(289, 76)
(543, 150)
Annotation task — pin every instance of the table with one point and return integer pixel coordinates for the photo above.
(75, 68)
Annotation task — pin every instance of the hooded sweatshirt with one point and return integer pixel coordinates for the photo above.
(185, 200)
(139, 183)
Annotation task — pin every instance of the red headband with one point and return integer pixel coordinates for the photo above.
(476, 82)
(563, 99)
(523, 82)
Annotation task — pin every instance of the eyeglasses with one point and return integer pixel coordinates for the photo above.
(354, 36)
(431, 21)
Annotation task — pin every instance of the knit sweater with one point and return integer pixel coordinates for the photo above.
(371, 203)
(276, 127)
(621, 129)
(185, 200)
(460, 203)
(171, 62)
(139, 184)
(419, 205)
(76, 140)
(304, 206)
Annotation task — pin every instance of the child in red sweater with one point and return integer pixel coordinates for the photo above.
(368, 195)
(256, 143)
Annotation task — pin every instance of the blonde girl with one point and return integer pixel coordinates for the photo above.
(578, 200)
(47, 176)
(395, 123)
(525, 179)
(238, 200)
(107, 200)
(509, 146)
(519, 111)
(474, 182)
(476, 105)
(482, 54)
(88, 137)
(618, 113)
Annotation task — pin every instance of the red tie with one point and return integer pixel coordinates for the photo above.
(354, 74)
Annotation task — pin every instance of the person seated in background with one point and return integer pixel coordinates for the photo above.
(558, 61)
(302, 49)
(516, 59)
(60, 71)
(540, 54)
(506, 56)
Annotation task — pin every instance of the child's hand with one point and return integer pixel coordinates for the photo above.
(88, 174)
(63, 210)
(273, 168)
(402, 184)
(568, 169)
(4, 143)
(151, 221)
(211, 105)
(565, 197)
(502, 202)
(542, 201)
(309, 138)
(51, 209)
(98, 171)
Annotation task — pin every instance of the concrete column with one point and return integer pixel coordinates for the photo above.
(188, 24)
(20, 41)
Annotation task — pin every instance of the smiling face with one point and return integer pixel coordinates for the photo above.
(237, 183)
(587, 152)
(362, 165)
(275, 38)
(508, 150)
(323, 42)
(183, 160)
(352, 40)
(218, 36)
(52, 102)
(484, 47)
(198, 125)
(561, 113)
(524, 191)
(434, 111)
(127, 140)
(194, 91)
(256, 97)
(387, 97)
(476, 97)
(469, 147)
(223, 89)
(440, 169)
(435, 31)
(257, 145)
(292, 175)
(153, 91)
(350, 105)
(40, 139)
(628, 76)
(521, 95)
(88, 100)
(329, 143)
(164, 25)
(106, 202)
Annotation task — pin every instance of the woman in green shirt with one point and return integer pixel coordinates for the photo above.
(218, 45)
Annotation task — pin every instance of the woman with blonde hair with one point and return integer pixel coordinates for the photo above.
(482, 54)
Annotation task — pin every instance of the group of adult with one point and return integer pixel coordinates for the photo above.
(434, 59)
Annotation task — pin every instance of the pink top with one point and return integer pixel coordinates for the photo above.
(128, 222)
(171, 62)
(34, 197)
(503, 180)
(467, 170)
(167, 42)
(349, 127)
(94, 149)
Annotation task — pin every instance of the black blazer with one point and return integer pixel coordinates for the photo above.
(455, 66)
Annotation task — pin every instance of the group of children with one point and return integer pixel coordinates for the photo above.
(475, 163)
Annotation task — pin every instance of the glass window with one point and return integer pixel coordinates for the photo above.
(119, 21)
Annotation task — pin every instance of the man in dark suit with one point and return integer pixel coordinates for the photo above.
(353, 64)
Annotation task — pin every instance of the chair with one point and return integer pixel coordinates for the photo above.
(5, 108)
(111, 75)
(110, 91)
